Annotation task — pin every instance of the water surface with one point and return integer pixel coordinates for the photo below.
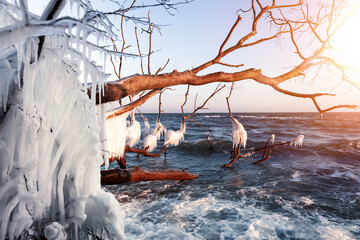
(308, 192)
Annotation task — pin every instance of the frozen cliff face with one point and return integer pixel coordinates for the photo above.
(50, 150)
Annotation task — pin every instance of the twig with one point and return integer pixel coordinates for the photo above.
(211, 146)
(217, 89)
(227, 99)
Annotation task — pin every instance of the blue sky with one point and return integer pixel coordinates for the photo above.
(193, 36)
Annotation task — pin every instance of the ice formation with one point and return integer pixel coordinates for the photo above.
(150, 142)
(272, 139)
(147, 129)
(114, 135)
(160, 129)
(175, 137)
(133, 131)
(297, 141)
(239, 133)
(54, 231)
(50, 147)
(153, 135)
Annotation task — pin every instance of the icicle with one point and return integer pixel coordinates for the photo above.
(77, 35)
(104, 59)
(7, 72)
(6, 215)
(133, 131)
(71, 6)
(175, 138)
(86, 66)
(20, 49)
(298, 141)
(49, 140)
(160, 128)
(147, 129)
(103, 132)
(78, 5)
(116, 133)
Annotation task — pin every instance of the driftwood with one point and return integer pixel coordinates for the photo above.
(119, 176)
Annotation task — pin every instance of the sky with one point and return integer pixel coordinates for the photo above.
(193, 35)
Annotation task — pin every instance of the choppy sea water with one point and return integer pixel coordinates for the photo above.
(308, 192)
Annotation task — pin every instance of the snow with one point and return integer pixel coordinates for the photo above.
(51, 142)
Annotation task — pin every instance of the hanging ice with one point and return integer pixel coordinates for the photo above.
(272, 139)
(160, 129)
(50, 147)
(175, 137)
(297, 141)
(115, 132)
(133, 131)
(239, 134)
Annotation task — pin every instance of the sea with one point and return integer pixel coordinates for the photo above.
(306, 192)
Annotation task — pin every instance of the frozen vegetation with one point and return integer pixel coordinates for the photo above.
(51, 142)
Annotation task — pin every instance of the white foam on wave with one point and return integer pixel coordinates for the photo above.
(268, 117)
(345, 175)
(296, 176)
(213, 116)
(212, 217)
(330, 233)
(306, 201)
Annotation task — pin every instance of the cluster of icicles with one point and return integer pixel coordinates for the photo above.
(50, 149)
(121, 133)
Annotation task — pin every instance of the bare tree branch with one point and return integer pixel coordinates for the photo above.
(227, 99)
(292, 25)
(131, 106)
(217, 89)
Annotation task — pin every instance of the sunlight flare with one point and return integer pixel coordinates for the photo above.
(347, 40)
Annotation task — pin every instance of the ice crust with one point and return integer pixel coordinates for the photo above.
(50, 143)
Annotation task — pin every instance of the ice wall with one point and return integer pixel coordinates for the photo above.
(50, 149)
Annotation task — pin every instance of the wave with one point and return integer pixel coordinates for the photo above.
(212, 216)
(213, 116)
(269, 117)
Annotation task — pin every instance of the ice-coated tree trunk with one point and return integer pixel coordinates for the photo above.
(50, 149)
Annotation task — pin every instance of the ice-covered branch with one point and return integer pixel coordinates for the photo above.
(15, 34)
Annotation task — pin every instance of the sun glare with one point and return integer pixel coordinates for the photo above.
(347, 41)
